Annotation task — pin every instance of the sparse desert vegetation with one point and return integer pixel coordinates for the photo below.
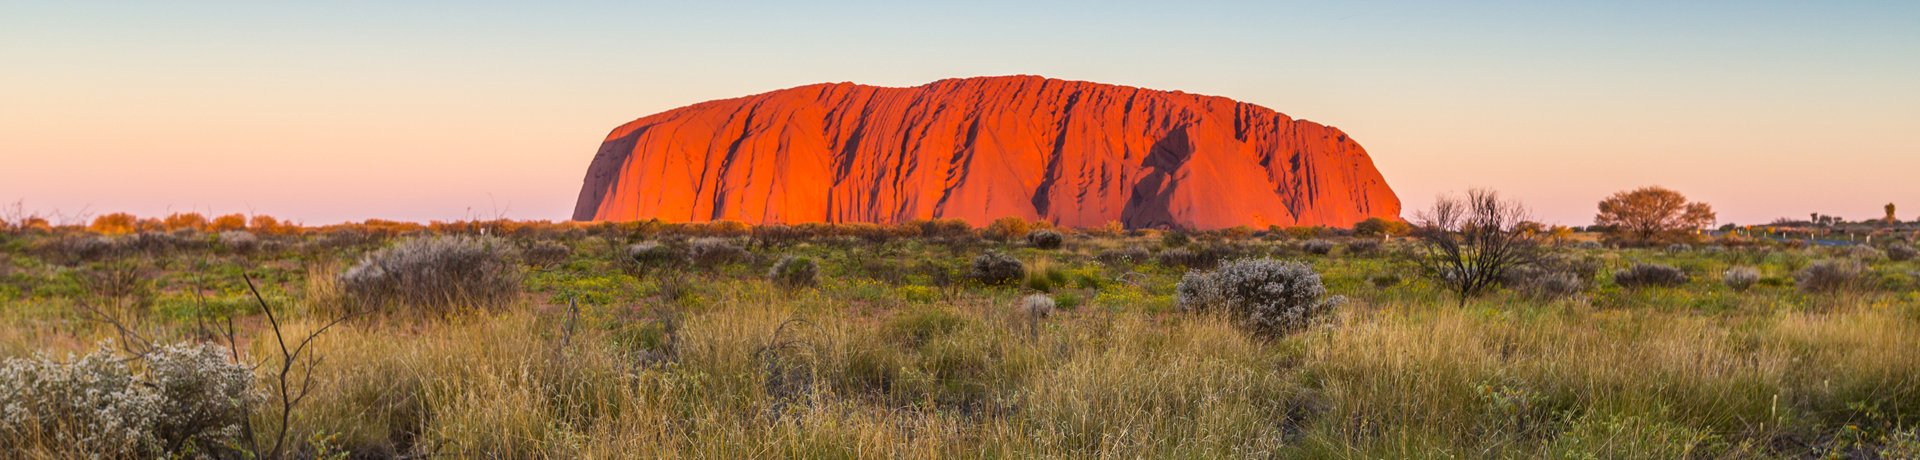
(934, 339)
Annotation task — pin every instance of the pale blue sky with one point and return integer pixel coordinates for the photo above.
(349, 110)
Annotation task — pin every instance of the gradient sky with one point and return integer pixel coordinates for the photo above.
(325, 112)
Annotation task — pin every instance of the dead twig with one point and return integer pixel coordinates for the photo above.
(288, 394)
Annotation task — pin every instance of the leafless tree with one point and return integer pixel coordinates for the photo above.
(1469, 244)
(290, 389)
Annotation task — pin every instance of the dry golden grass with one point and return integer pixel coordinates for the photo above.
(857, 368)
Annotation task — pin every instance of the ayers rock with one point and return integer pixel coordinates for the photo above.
(1078, 154)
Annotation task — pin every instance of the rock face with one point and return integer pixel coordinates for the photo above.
(1078, 154)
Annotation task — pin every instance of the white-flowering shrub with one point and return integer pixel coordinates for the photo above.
(190, 399)
(206, 396)
(92, 405)
(437, 275)
(1269, 296)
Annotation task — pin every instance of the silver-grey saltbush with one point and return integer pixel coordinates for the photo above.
(1269, 296)
(436, 275)
(1740, 278)
(190, 399)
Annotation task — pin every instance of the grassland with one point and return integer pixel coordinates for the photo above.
(893, 353)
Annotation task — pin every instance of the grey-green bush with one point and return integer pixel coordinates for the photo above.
(1270, 297)
(239, 241)
(1899, 252)
(1829, 276)
(1740, 278)
(1318, 247)
(1045, 239)
(712, 252)
(794, 272)
(436, 276)
(1202, 256)
(1864, 252)
(1125, 256)
(1543, 283)
(546, 254)
(994, 269)
(1650, 275)
(1363, 247)
(645, 257)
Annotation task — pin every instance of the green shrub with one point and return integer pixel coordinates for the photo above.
(914, 329)
(1174, 239)
(792, 272)
(1375, 226)
(1047, 279)
(1385, 280)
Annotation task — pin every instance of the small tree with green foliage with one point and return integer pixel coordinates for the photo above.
(1651, 215)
